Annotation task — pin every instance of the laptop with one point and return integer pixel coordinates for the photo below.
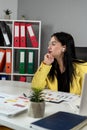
(83, 102)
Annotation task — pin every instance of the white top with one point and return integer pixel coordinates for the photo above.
(22, 121)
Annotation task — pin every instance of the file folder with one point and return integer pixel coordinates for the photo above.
(22, 62)
(8, 60)
(6, 33)
(22, 79)
(22, 35)
(2, 59)
(16, 34)
(31, 61)
(2, 42)
(32, 36)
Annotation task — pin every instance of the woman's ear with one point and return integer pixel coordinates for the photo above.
(64, 49)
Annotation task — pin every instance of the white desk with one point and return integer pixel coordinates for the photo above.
(22, 121)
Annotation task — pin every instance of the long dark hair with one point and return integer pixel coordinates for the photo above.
(69, 58)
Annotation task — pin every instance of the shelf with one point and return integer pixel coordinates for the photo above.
(28, 29)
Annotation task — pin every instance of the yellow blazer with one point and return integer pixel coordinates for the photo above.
(41, 80)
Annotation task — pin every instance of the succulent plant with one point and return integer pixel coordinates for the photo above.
(37, 95)
(7, 11)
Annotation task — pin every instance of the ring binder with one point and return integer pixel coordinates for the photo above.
(16, 34)
(6, 33)
(30, 61)
(8, 60)
(22, 62)
(22, 35)
(32, 35)
(2, 59)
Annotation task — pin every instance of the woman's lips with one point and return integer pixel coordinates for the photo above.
(49, 51)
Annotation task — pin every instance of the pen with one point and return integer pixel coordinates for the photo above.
(26, 95)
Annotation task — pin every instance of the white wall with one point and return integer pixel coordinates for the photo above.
(9, 4)
(57, 15)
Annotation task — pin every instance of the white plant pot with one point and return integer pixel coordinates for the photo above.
(7, 16)
(36, 110)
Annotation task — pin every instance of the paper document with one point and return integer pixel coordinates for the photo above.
(11, 105)
(53, 96)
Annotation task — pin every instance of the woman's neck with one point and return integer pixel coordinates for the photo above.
(61, 65)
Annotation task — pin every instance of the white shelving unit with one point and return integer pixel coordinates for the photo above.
(15, 74)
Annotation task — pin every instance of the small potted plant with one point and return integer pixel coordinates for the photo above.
(7, 13)
(23, 17)
(37, 103)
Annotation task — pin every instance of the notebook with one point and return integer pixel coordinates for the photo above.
(60, 121)
(83, 103)
(11, 105)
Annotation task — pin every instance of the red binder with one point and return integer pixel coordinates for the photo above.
(8, 60)
(16, 34)
(22, 35)
(2, 59)
(32, 35)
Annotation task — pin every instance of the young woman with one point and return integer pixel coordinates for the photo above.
(60, 69)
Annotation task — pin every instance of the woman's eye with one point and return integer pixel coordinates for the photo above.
(52, 43)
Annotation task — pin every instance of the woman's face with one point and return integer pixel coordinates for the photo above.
(55, 48)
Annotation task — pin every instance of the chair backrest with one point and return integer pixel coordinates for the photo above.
(81, 53)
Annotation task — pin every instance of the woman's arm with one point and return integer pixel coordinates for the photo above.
(39, 79)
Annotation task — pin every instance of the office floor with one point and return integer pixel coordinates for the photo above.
(4, 128)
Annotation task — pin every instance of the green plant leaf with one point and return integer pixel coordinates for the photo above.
(37, 95)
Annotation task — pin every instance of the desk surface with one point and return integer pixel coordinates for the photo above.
(22, 121)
